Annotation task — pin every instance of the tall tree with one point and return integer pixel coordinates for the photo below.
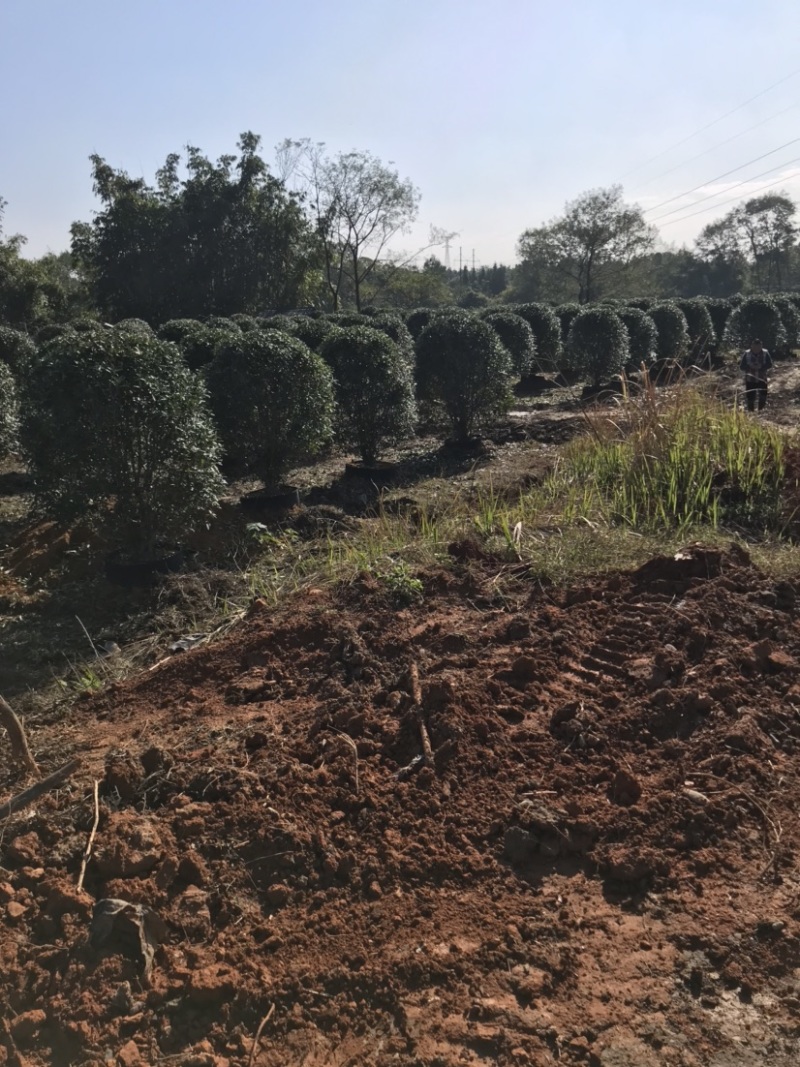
(597, 235)
(225, 237)
(760, 236)
(357, 205)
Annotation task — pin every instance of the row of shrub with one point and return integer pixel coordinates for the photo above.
(131, 424)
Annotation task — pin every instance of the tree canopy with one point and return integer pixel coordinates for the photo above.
(222, 237)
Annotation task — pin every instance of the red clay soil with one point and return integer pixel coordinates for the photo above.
(599, 865)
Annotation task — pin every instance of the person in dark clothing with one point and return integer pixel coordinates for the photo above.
(756, 363)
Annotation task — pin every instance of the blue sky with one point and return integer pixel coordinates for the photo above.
(499, 112)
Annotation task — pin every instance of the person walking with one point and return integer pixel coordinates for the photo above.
(756, 363)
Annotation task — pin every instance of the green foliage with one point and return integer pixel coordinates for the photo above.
(462, 365)
(225, 237)
(597, 345)
(49, 331)
(284, 323)
(394, 328)
(311, 331)
(790, 317)
(757, 316)
(374, 388)
(698, 321)
(673, 330)
(116, 429)
(16, 348)
(643, 303)
(719, 309)
(272, 398)
(246, 323)
(135, 326)
(222, 322)
(417, 320)
(547, 332)
(9, 411)
(565, 313)
(679, 460)
(199, 345)
(176, 329)
(516, 336)
(642, 336)
(472, 300)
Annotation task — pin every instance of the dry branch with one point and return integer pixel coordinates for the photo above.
(416, 696)
(257, 1038)
(16, 735)
(44, 785)
(87, 855)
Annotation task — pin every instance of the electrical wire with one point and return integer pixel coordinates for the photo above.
(719, 177)
(724, 192)
(708, 125)
(715, 147)
(734, 199)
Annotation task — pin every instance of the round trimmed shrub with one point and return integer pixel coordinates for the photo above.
(137, 326)
(16, 348)
(9, 411)
(116, 430)
(547, 332)
(698, 322)
(221, 322)
(642, 336)
(472, 300)
(272, 399)
(462, 366)
(199, 345)
(283, 323)
(50, 330)
(673, 330)
(565, 313)
(417, 320)
(311, 331)
(757, 316)
(374, 389)
(790, 317)
(643, 303)
(84, 324)
(516, 336)
(719, 309)
(397, 331)
(246, 323)
(597, 345)
(176, 329)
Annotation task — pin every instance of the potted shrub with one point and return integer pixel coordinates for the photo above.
(463, 368)
(117, 432)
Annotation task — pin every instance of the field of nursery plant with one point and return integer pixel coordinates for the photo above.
(401, 688)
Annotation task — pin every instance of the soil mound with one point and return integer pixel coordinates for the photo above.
(524, 826)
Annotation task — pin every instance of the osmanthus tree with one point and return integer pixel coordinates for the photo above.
(374, 389)
(642, 336)
(219, 238)
(272, 399)
(463, 367)
(515, 335)
(116, 431)
(547, 332)
(9, 411)
(597, 235)
(673, 330)
(357, 204)
(698, 321)
(565, 313)
(597, 344)
(757, 316)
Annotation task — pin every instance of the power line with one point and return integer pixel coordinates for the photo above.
(719, 177)
(734, 199)
(715, 147)
(708, 125)
(723, 192)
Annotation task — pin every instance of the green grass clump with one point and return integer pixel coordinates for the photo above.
(675, 460)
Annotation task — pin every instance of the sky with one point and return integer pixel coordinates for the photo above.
(499, 112)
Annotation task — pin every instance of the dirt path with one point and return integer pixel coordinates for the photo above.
(600, 867)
